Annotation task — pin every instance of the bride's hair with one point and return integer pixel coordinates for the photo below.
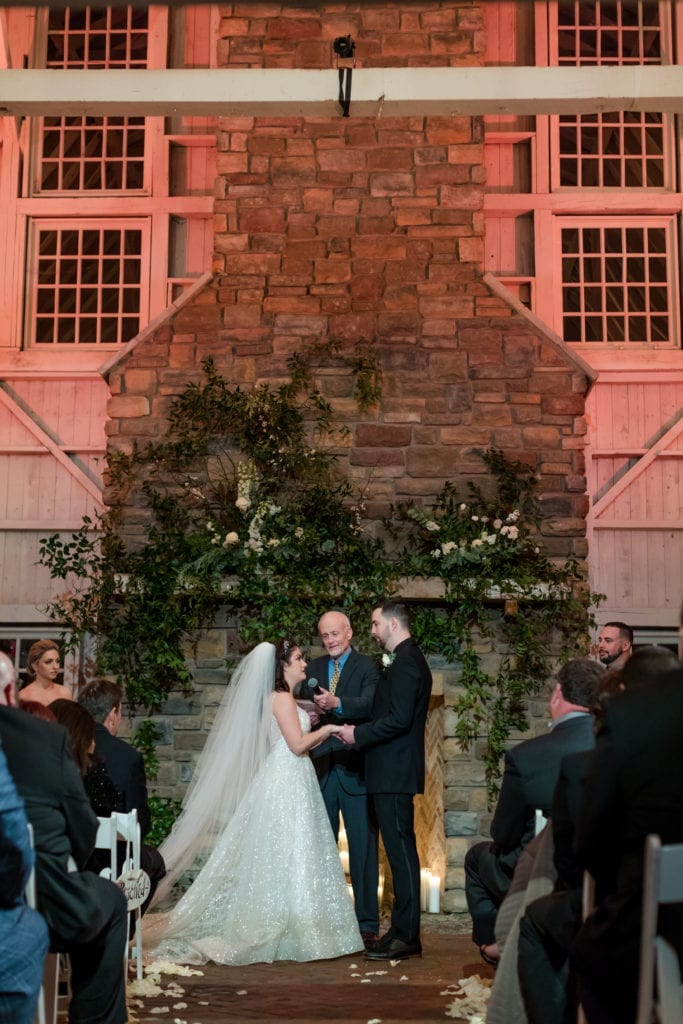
(283, 655)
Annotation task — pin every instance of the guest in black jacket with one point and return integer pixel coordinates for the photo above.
(85, 914)
(125, 767)
(634, 787)
(531, 771)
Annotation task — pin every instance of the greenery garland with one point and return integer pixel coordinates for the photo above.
(246, 507)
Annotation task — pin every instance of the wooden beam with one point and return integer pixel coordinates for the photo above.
(376, 92)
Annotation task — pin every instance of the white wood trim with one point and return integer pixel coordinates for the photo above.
(499, 289)
(663, 525)
(79, 476)
(376, 91)
(51, 525)
(155, 324)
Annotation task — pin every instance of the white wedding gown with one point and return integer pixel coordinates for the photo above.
(273, 887)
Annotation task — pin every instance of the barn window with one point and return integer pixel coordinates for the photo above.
(82, 153)
(617, 276)
(88, 278)
(617, 149)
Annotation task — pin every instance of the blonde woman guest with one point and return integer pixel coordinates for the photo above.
(43, 668)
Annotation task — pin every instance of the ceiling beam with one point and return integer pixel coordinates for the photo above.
(376, 91)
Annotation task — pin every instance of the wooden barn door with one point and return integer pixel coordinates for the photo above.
(52, 447)
(635, 479)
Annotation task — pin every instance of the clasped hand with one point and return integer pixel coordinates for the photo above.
(345, 733)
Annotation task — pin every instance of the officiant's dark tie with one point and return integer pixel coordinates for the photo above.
(334, 678)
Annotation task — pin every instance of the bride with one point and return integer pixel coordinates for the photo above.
(272, 886)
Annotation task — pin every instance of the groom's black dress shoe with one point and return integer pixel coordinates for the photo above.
(390, 947)
(369, 939)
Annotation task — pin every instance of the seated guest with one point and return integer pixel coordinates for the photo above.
(34, 707)
(80, 724)
(125, 767)
(85, 914)
(633, 787)
(529, 777)
(42, 665)
(23, 932)
(550, 924)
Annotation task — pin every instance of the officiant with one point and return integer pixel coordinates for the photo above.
(342, 685)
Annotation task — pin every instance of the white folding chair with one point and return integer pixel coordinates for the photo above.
(587, 907)
(662, 883)
(124, 828)
(46, 1012)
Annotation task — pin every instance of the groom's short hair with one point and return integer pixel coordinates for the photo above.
(392, 609)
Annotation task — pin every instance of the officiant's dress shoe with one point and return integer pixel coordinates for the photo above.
(393, 948)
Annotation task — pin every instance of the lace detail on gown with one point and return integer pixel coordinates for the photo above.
(273, 887)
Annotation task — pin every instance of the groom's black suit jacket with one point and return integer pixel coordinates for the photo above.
(394, 738)
(356, 690)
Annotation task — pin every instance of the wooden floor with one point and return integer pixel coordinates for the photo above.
(350, 989)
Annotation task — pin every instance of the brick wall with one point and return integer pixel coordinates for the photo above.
(367, 229)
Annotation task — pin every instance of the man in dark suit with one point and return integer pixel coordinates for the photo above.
(23, 933)
(125, 767)
(85, 914)
(633, 787)
(550, 924)
(395, 770)
(529, 778)
(347, 681)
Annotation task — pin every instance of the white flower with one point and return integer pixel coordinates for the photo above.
(448, 546)
(475, 519)
(436, 553)
(432, 526)
(477, 542)
(230, 538)
(497, 523)
(387, 658)
(513, 517)
(299, 532)
(537, 551)
(463, 507)
(510, 531)
(273, 542)
(242, 503)
(490, 538)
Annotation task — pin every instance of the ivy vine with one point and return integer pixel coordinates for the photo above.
(243, 504)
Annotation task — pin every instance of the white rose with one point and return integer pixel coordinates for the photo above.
(497, 523)
(478, 543)
(230, 538)
(448, 546)
(242, 503)
(431, 525)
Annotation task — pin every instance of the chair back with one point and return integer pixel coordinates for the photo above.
(125, 828)
(662, 883)
(46, 1010)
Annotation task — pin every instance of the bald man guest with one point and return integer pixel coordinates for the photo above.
(346, 688)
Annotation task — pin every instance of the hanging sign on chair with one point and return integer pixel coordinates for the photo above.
(135, 885)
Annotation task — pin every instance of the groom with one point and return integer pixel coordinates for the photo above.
(395, 770)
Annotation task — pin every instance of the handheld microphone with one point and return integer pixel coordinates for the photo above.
(314, 686)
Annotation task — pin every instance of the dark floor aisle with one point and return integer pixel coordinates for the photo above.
(350, 989)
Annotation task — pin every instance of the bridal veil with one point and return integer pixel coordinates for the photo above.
(236, 747)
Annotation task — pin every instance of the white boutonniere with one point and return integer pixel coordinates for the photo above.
(387, 658)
